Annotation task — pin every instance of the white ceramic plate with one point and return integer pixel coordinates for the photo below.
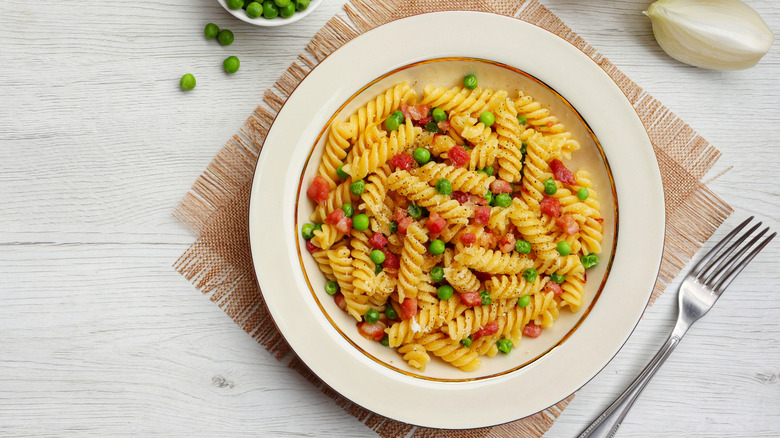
(504, 53)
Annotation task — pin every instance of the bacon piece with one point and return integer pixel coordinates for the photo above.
(532, 330)
(459, 156)
(417, 112)
(338, 219)
(478, 200)
(378, 241)
(482, 215)
(399, 214)
(391, 263)
(402, 161)
(372, 332)
(550, 206)
(568, 224)
(468, 239)
(340, 301)
(561, 173)
(403, 224)
(408, 308)
(500, 186)
(444, 125)
(318, 190)
(487, 239)
(488, 330)
(553, 287)
(459, 196)
(425, 120)
(471, 299)
(483, 276)
(507, 243)
(435, 224)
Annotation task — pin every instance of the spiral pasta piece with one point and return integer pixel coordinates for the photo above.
(410, 273)
(461, 279)
(381, 151)
(531, 228)
(363, 268)
(384, 104)
(510, 158)
(407, 330)
(426, 196)
(451, 351)
(502, 287)
(338, 143)
(415, 355)
(492, 262)
(461, 179)
(326, 237)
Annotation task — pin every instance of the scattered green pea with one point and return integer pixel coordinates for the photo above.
(270, 10)
(444, 292)
(225, 37)
(360, 222)
(421, 156)
(558, 278)
(486, 300)
(589, 261)
(390, 312)
(371, 316)
(524, 301)
(377, 256)
(254, 10)
(522, 120)
(301, 5)
(187, 82)
(357, 187)
(340, 172)
(583, 193)
(436, 247)
(231, 64)
(438, 115)
(437, 274)
(307, 231)
(443, 186)
(564, 248)
(414, 211)
(466, 342)
(503, 200)
(385, 341)
(530, 274)
(487, 118)
(331, 288)
(348, 209)
(522, 246)
(550, 187)
(211, 30)
(235, 4)
(470, 82)
(504, 345)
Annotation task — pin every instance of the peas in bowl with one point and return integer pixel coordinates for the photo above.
(269, 12)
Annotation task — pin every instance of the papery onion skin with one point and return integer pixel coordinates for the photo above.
(712, 34)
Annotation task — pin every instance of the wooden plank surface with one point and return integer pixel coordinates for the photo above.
(100, 337)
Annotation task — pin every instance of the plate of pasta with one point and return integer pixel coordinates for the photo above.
(448, 225)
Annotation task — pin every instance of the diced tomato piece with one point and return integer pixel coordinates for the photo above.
(340, 301)
(507, 243)
(444, 125)
(391, 260)
(553, 287)
(468, 239)
(435, 224)
(459, 156)
(483, 276)
(378, 240)
(344, 226)
(403, 224)
(372, 332)
(550, 206)
(478, 200)
(409, 308)
(310, 246)
(568, 224)
(318, 190)
(532, 330)
(482, 215)
(561, 173)
(402, 161)
(459, 196)
(425, 120)
(488, 330)
(417, 112)
(471, 299)
(335, 217)
(500, 186)
(399, 214)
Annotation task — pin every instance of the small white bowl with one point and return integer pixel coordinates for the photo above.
(273, 22)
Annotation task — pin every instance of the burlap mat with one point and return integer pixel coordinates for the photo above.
(216, 209)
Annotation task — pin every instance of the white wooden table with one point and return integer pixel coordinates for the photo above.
(100, 337)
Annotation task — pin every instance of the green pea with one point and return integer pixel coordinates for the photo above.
(550, 187)
(503, 200)
(270, 10)
(487, 118)
(444, 186)
(371, 316)
(390, 312)
(489, 170)
(522, 120)
(317, 227)
(438, 115)
(348, 209)
(300, 5)
(357, 187)
(360, 222)
(307, 231)
(466, 342)
(558, 278)
(392, 123)
(530, 274)
(287, 11)
(504, 345)
(437, 274)
(433, 127)
(393, 227)
(282, 3)
(231, 64)
(583, 193)
(422, 156)
(523, 246)
(436, 247)
(399, 115)
(211, 30)
(414, 211)
(225, 37)
(524, 301)
(235, 4)
(524, 147)
(340, 172)
(187, 82)
(377, 269)
(385, 341)
(332, 288)
(564, 248)
(444, 292)
(489, 197)
(377, 256)
(486, 300)
(470, 82)
(589, 261)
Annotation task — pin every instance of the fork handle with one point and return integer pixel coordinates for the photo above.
(607, 423)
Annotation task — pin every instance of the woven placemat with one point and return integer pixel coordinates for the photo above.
(219, 263)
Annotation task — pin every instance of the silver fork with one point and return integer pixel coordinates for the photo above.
(698, 293)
